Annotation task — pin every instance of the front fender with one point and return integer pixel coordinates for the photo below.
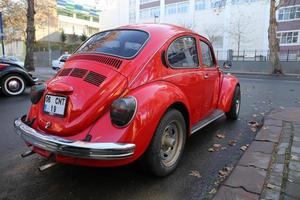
(153, 100)
(228, 85)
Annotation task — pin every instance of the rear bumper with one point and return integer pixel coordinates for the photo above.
(74, 149)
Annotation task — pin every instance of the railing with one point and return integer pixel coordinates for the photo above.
(256, 55)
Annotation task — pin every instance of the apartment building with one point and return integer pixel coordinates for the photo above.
(288, 31)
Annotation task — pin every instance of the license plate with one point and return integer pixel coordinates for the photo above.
(55, 105)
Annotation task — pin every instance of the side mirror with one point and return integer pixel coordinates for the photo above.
(227, 64)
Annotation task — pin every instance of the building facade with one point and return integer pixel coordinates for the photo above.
(77, 19)
(288, 29)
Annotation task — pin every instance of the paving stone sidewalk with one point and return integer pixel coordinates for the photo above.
(270, 168)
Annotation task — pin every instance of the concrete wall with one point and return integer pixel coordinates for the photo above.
(261, 67)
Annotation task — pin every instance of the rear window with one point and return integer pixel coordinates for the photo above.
(120, 43)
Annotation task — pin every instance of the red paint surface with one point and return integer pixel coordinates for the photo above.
(155, 86)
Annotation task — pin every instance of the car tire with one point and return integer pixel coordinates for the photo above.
(234, 111)
(167, 145)
(13, 85)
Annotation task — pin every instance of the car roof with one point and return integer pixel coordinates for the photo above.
(165, 31)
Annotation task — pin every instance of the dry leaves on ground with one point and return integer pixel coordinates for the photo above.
(232, 142)
(225, 171)
(195, 173)
(244, 148)
(215, 147)
(253, 125)
(221, 135)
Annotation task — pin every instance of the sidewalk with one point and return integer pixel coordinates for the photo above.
(270, 168)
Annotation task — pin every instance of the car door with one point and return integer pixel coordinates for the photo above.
(184, 71)
(211, 76)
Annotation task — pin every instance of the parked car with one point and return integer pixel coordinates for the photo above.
(59, 63)
(135, 92)
(14, 78)
(12, 59)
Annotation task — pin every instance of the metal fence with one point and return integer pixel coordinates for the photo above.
(256, 55)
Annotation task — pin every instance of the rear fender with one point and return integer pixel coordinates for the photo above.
(228, 86)
(153, 100)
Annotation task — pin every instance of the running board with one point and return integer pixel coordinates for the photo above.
(214, 116)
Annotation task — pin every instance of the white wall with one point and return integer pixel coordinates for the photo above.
(114, 13)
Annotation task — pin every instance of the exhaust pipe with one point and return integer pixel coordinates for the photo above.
(27, 153)
(46, 166)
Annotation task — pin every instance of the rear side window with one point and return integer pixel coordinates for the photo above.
(182, 53)
(207, 58)
(120, 43)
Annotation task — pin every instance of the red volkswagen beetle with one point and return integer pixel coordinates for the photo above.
(135, 92)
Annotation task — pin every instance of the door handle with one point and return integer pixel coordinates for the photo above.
(206, 76)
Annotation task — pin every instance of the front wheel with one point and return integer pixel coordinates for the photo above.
(234, 111)
(167, 145)
(13, 85)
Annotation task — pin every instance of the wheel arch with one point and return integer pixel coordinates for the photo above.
(181, 107)
(229, 83)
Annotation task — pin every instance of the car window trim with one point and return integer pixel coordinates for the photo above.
(122, 57)
(211, 52)
(177, 38)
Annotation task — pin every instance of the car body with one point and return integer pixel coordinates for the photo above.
(14, 78)
(135, 92)
(12, 59)
(59, 63)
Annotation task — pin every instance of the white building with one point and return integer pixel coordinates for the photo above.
(229, 24)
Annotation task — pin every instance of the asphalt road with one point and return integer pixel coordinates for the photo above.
(20, 178)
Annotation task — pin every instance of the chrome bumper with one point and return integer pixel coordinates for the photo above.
(77, 149)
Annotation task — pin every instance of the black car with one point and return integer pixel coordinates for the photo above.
(14, 78)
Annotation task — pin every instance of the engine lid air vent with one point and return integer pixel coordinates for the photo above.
(79, 73)
(94, 78)
(114, 62)
(65, 72)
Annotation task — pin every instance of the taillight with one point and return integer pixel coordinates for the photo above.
(3, 66)
(37, 92)
(122, 111)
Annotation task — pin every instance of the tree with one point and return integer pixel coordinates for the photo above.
(63, 37)
(238, 30)
(30, 36)
(73, 38)
(83, 37)
(213, 33)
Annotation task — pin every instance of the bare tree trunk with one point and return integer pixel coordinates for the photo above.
(30, 38)
(273, 42)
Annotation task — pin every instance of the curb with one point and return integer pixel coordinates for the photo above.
(264, 170)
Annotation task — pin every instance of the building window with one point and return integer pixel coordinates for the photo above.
(199, 4)
(95, 19)
(218, 3)
(235, 2)
(171, 9)
(288, 37)
(64, 12)
(147, 1)
(289, 13)
(150, 13)
(175, 8)
(82, 16)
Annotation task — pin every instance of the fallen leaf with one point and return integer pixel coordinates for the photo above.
(215, 147)
(225, 171)
(281, 107)
(270, 186)
(295, 158)
(232, 142)
(211, 150)
(254, 115)
(213, 191)
(221, 136)
(195, 173)
(244, 148)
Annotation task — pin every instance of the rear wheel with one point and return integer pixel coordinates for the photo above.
(234, 111)
(167, 145)
(13, 85)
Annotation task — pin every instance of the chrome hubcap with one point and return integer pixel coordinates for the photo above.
(237, 104)
(13, 85)
(171, 143)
